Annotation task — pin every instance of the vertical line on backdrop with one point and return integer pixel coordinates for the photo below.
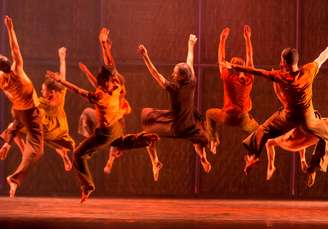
(101, 24)
(199, 83)
(2, 101)
(297, 44)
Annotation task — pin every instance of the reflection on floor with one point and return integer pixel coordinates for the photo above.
(161, 213)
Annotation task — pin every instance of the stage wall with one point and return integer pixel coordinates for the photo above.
(42, 26)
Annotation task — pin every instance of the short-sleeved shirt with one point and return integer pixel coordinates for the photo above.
(108, 110)
(182, 100)
(237, 91)
(295, 90)
(54, 117)
(19, 90)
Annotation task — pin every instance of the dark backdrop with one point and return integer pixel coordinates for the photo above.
(42, 26)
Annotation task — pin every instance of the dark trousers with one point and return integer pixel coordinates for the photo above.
(110, 136)
(281, 122)
(31, 120)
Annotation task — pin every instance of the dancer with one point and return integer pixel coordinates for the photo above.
(108, 131)
(237, 90)
(54, 120)
(87, 118)
(295, 86)
(19, 89)
(182, 120)
(87, 124)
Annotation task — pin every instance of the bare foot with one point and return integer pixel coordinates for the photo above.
(12, 187)
(311, 179)
(67, 163)
(250, 162)
(270, 172)
(156, 168)
(206, 165)
(213, 145)
(109, 165)
(304, 166)
(4, 151)
(85, 194)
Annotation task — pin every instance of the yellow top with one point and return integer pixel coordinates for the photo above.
(54, 118)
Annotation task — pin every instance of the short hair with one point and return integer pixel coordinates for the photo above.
(290, 56)
(52, 84)
(237, 60)
(185, 72)
(105, 74)
(5, 64)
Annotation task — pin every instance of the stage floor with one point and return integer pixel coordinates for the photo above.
(160, 213)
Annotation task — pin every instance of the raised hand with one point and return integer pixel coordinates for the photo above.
(247, 31)
(62, 52)
(103, 34)
(83, 67)
(142, 50)
(225, 33)
(53, 75)
(8, 22)
(192, 39)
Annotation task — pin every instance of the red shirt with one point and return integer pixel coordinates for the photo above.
(295, 92)
(237, 90)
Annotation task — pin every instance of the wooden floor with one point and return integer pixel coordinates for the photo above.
(160, 213)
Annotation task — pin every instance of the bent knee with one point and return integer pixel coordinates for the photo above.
(271, 142)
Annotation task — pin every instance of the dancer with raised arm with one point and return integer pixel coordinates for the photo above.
(54, 120)
(237, 93)
(19, 89)
(294, 86)
(182, 119)
(109, 131)
(87, 118)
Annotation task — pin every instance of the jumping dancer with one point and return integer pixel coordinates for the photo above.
(109, 131)
(295, 87)
(19, 89)
(182, 120)
(54, 120)
(237, 89)
(87, 118)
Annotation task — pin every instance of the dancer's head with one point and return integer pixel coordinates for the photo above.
(181, 73)
(106, 77)
(50, 88)
(289, 58)
(237, 60)
(5, 64)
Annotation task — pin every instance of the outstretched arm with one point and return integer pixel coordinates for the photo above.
(14, 47)
(222, 45)
(62, 62)
(272, 75)
(92, 79)
(160, 79)
(106, 48)
(190, 56)
(322, 57)
(249, 47)
(73, 87)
